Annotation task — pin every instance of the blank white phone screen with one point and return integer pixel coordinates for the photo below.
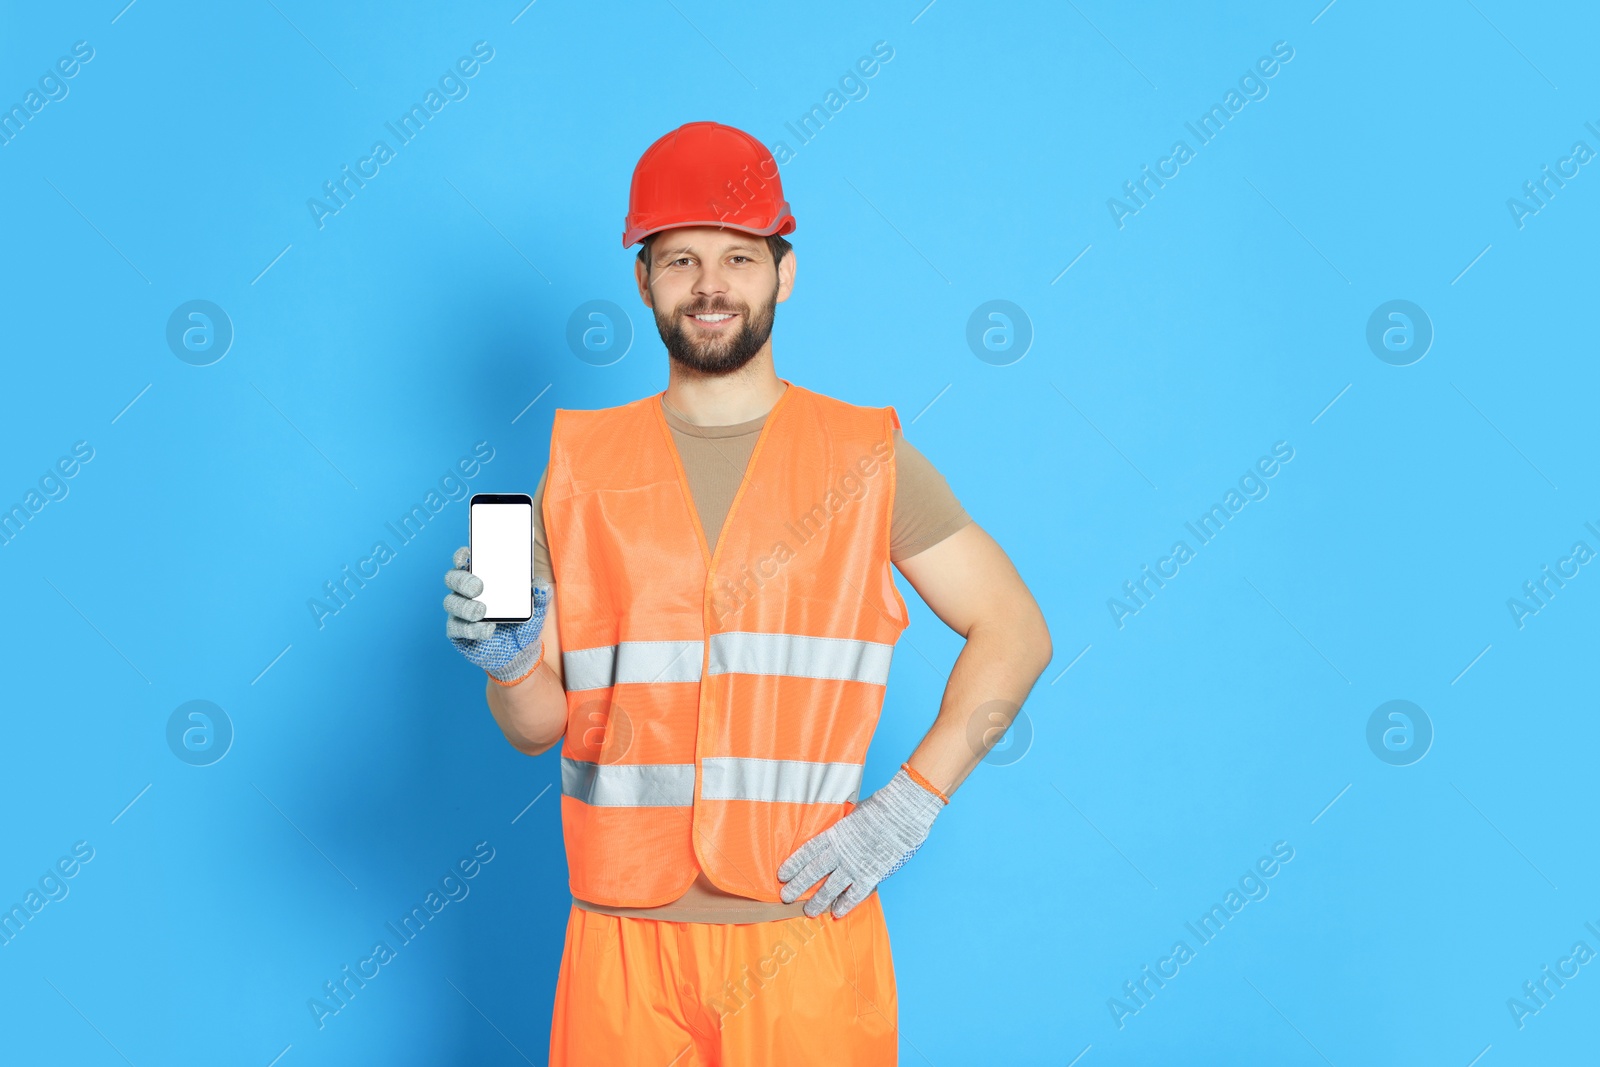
(502, 556)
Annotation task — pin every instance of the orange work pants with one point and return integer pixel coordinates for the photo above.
(784, 993)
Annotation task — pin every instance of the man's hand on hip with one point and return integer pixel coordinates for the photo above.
(861, 849)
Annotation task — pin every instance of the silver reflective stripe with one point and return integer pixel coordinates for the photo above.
(801, 657)
(780, 781)
(631, 661)
(835, 658)
(628, 785)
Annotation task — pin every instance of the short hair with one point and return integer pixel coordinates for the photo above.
(777, 245)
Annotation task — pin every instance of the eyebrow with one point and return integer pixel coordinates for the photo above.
(740, 246)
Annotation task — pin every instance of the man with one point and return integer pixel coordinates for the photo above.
(718, 654)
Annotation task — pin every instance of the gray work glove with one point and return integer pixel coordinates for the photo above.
(861, 849)
(507, 651)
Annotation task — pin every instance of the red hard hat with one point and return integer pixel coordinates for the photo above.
(706, 174)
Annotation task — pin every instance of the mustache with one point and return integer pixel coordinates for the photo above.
(715, 308)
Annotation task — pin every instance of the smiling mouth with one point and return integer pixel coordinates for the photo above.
(713, 319)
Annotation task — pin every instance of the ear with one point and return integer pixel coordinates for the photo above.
(640, 275)
(786, 276)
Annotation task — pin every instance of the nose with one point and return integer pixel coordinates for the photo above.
(711, 281)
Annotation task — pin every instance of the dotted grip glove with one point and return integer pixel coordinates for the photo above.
(507, 651)
(863, 848)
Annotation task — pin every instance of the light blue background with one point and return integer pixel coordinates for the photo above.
(431, 312)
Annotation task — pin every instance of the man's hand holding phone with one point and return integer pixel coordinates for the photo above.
(507, 651)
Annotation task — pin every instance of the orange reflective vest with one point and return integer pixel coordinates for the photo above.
(719, 706)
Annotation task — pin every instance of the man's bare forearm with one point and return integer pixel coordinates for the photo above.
(533, 713)
(991, 678)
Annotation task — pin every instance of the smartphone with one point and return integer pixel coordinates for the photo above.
(501, 539)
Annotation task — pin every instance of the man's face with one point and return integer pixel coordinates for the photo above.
(714, 293)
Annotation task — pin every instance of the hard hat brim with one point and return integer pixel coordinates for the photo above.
(785, 224)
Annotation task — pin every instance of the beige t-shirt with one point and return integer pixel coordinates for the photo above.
(925, 512)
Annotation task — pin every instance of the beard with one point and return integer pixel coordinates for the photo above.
(717, 356)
